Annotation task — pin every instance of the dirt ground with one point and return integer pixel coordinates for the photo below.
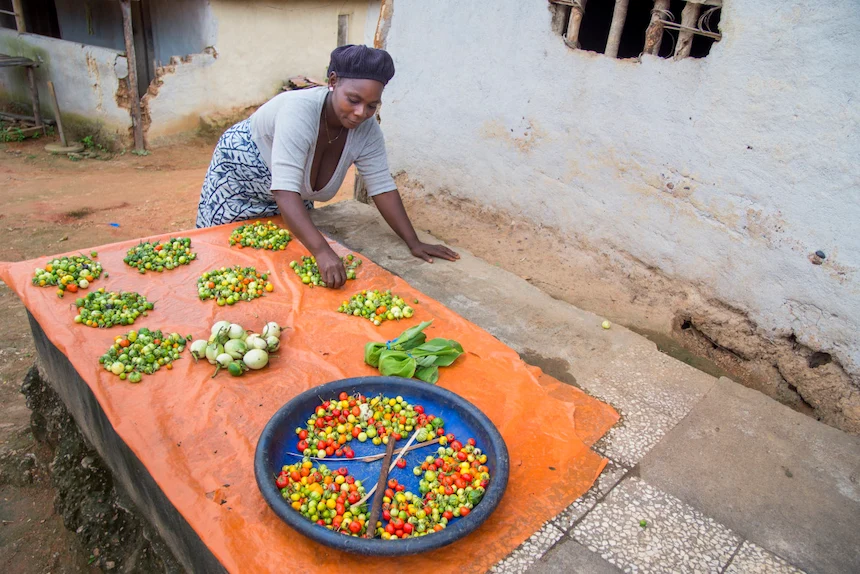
(52, 204)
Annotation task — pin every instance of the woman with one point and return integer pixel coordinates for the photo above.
(297, 148)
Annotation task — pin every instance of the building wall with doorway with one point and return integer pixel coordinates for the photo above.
(198, 60)
(256, 46)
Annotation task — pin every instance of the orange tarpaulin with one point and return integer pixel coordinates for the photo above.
(195, 434)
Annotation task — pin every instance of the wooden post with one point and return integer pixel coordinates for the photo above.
(34, 96)
(21, 25)
(386, 11)
(577, 11)
(18, 9)
(136, 120)
(689, 19)
(617, 27)
(654, 33)
(56, 105)
(359, 190)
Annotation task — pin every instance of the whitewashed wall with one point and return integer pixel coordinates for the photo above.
(726, 171)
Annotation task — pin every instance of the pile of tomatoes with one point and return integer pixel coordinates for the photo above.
(68, 274)
(157, 256)
(338, 422)
(452, 481)
(228, 285)
(260, 235)
(328, 497)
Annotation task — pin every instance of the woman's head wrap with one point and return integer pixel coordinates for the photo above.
(361, 62)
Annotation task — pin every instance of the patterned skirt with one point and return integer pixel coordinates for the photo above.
(238, 182)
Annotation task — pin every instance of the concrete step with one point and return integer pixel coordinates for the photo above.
(708, 461)
(650, 390)
(774, 476)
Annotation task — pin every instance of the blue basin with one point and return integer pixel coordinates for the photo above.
(461, 418)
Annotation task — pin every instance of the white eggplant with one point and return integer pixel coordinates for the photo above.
(212, 351)
(256, 359)
(235, 331)
(236, 348)
(198, 349)
(216, 328)
(272, 329)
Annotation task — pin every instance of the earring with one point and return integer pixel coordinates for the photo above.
(330, 89)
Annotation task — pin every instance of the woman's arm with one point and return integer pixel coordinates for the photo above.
(299, 223)
(391, 207)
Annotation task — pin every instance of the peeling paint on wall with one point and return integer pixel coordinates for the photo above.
(82, 76)
(257, 48)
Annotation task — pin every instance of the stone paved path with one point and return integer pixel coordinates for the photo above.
(704, 474)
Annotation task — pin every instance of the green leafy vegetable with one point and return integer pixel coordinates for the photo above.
(411, 356)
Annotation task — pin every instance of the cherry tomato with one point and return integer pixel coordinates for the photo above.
(401, 463)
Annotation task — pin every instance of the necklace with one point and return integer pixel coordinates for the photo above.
(325, 121)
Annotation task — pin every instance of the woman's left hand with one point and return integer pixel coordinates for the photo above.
(427, 252)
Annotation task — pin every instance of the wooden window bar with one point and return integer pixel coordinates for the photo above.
(693, 22)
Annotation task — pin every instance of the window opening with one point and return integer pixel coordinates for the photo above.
(343, 30)
(40, 17)
(627, 28)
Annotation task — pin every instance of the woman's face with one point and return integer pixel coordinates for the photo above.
(355, 101)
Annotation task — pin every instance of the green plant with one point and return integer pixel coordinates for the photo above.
(12, 135)
(90, 144)
(140, 152)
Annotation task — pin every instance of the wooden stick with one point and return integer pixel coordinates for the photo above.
(654, 33)
(376, 507)
(689, 17)
(18, 9)
(27, 130)
(11, 116)
(57, 114)
(618, 18)
(34, 95)
(136, 120)
(577, 11)
(21, 26)
(370, 457)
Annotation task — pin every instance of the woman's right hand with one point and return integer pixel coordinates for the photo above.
(331, 269)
